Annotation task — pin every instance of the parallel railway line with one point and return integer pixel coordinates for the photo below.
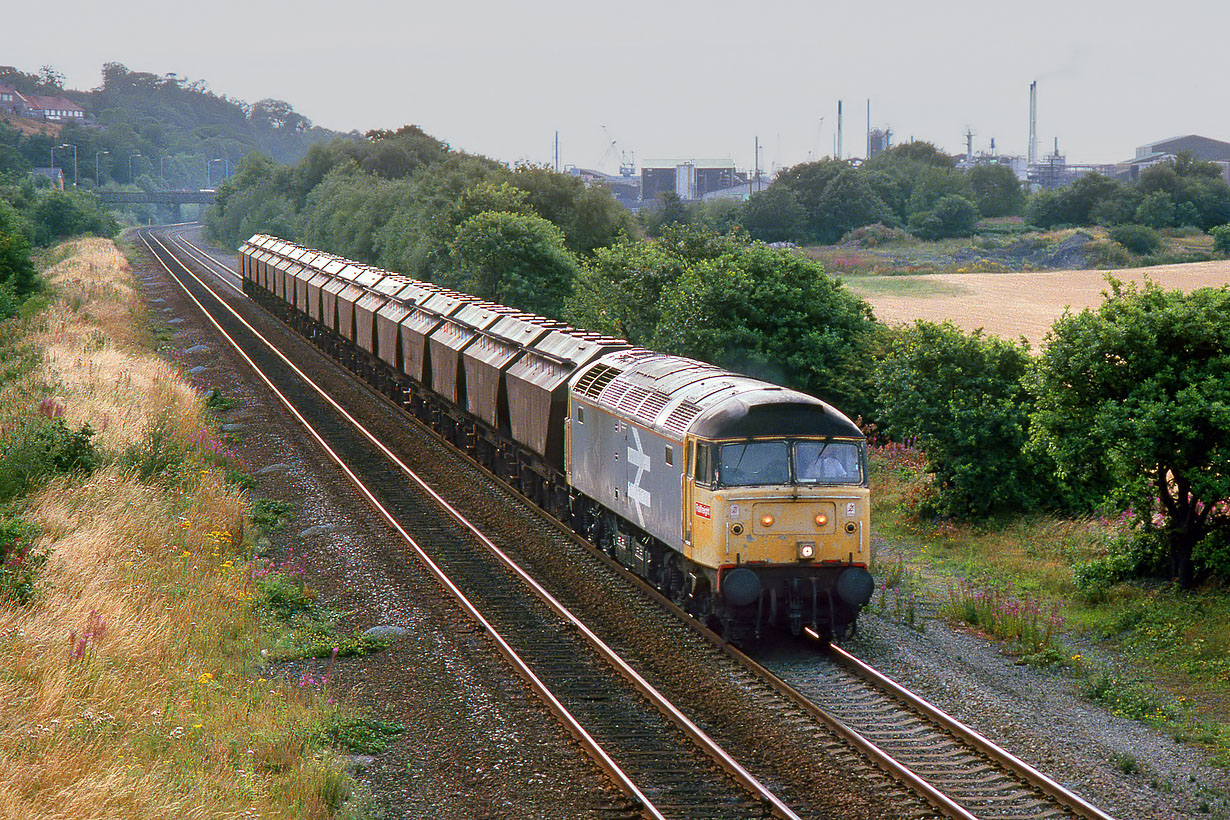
(961, 778)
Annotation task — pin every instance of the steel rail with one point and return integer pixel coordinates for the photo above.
(877, 756)
(1054, 790)
(660, 702)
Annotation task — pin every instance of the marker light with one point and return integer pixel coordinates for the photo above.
(821, 520)
(766, 521)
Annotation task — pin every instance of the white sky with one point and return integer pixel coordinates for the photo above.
(674, 79)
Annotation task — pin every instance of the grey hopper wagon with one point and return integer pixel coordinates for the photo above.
(388, 321)
(349, 296)
(366, 308)
(416, 328)
(447, 341)
(487, 358)
(537, 385)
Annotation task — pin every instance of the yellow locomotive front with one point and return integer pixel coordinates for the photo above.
(784, 523)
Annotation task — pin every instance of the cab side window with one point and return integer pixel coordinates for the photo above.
(704, 465)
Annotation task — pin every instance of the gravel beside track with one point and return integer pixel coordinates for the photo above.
(479, 744)
(489, 736)
(1041, 717)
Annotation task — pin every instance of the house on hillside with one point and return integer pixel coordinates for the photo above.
(54, 109)
(54, 174)
(11, 102)
(1155, 153)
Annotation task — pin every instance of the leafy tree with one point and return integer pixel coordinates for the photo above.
(952, 216)
(773, 215)
(59, 214)
(996, 190)
(588, 215)
(17, 272)
(1221, 238)
(774, 315)
(1071, 205)
(1138, 391)
(620, 289)
(1156, 210)
(848, 203)
(808, 182)
(901, 168)
(962, 396)
(519, 260)
(1136, 238)
(934, 184)
(669, 210)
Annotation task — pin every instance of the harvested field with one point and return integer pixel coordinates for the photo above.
(1015, 304)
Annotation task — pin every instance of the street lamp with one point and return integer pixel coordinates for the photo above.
(226, 168)
(130, 156)
(97, 154)
(67, 145)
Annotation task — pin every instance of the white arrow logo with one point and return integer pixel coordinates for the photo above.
(636, 493)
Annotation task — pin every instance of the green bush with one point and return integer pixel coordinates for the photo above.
(1212, 554)
(158, 454)
(19, 562)
(1138, 239)
(874, 235)
(1221, 238)
(1128, 556)
(952, 216)
(962, 396)
(39, 449)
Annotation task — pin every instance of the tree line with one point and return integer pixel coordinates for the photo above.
(917, 188)
(1004, 432)
(150, 132)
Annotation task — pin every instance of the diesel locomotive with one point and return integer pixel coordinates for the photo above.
(744, 502)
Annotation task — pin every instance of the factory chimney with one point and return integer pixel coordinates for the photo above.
(1033, 122)
(839, 152)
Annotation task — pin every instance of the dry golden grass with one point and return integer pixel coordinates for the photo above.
(1015, 304)
(129, 687)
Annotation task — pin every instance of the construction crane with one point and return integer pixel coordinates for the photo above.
(627, 165)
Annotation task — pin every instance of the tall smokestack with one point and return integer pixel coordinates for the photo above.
(868, 154)
(839, 152)
(1033, 122)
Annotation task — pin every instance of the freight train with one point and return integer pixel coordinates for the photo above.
(745, 503)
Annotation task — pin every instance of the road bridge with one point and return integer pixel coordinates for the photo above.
(172, 199)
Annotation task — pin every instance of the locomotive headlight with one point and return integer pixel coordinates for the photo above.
(821, 519)
(766, 521)
(807, 550)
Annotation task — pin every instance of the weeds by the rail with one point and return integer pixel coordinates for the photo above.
(131, 629)
(1164, 651)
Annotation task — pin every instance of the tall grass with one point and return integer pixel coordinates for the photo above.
(131, 684)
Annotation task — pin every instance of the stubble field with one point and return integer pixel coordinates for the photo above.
(1013, 305)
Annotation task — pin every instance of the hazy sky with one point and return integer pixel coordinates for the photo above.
(676, 79)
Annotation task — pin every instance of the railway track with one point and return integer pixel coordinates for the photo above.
(666, 765)
(820, 702)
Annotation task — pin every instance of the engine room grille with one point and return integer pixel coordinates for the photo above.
(680, 417)
(593, 382)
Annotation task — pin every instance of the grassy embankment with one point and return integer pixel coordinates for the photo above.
(1163, 656)
(131, 676)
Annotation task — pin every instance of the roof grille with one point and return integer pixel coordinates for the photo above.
(680, 417)
(652, 405)
(593, 382)
(631, 400)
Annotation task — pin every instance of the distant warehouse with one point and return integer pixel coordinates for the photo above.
(690, 179)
